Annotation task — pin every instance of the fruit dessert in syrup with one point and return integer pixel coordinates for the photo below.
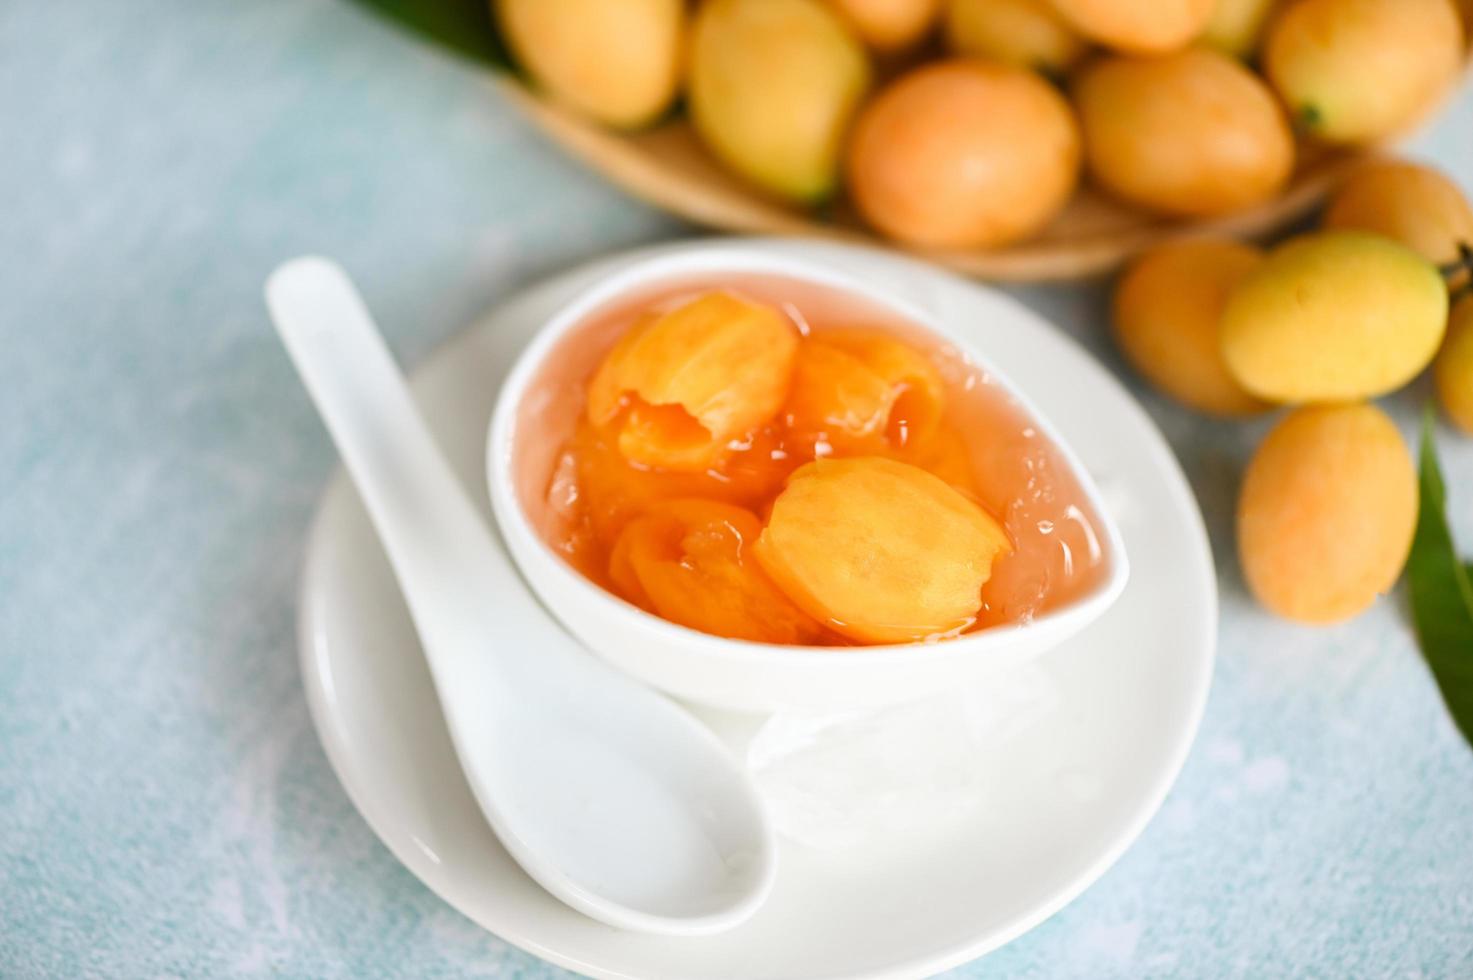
(770, 460)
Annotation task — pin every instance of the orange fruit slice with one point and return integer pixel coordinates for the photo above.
(681, 385)
(879, 550)
(689, 561)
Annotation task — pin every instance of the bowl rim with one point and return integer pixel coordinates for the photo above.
(701, 259)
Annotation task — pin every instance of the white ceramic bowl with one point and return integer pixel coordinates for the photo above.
(735, 674)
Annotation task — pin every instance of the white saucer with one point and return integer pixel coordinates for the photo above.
(1067, 798)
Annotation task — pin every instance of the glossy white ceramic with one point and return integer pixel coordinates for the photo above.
(743, 676)
(1066, 799)
(614, 799)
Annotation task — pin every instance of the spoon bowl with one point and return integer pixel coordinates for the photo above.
(610, 796)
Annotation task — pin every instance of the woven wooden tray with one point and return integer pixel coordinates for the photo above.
(667, 167)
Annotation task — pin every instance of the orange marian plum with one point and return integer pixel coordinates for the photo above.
(689, 562)
(617, 61)
(1235, 26)
(963, 153)
(880, 550)
(888, 25)
(1453, 370)
(1168, 317)
(1360, 71)
(1142, 26)
(1193, 133)
(1326, 512)
(1025, 33)
(681, 386)
(1418, 206)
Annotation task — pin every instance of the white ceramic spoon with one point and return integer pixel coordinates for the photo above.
(613, 798)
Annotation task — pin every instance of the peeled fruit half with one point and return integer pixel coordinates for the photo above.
(1358, 71)
(880, 551)
(682, 385)
(1414, 204)
(1326, 512)
(1334, 316)
(690, 562)
(919, 391)
(611, 490)
(1168, 314)
(836, 401)
(963, 154)
(1024, 33)
(856, 392)
(615, 60)
(1453, 371)
(888, 25)
(1138, 25)
(773, 87)
(944, 454)
(1192, 133)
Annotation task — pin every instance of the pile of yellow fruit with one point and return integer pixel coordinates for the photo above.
(967, 123)
(1323, 322)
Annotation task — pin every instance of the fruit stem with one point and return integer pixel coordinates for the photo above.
(1456, 265)
(1459, 272)
(1308, 120)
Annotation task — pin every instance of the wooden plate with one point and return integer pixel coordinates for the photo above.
(668, 168)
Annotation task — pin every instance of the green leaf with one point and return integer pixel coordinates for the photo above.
(464, 26)
(1442, 592)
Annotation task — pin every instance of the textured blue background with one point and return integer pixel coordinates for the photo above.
(165, 809)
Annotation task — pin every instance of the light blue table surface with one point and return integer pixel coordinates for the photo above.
(165, 809)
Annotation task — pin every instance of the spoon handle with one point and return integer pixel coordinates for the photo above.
(447, 564)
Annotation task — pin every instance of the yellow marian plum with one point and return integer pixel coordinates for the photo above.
(617, 61)
(1023, 33)
(773, 87)
(1334, 316)
(888, 25)
(1192, 133)
(681, 386)
(1411, 203)
(1141, 26)
(690, 561)
(1358, 71)
(1168, 311)
(879, 550)
(1453, 369)
(1235, 25)
(963, 154)
(1326, 512)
